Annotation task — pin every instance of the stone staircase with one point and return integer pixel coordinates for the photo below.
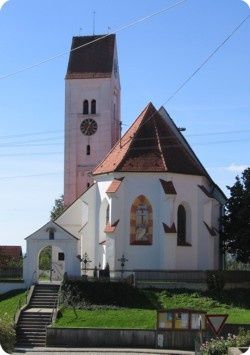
(32, 323)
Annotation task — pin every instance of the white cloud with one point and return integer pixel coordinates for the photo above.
(247, 2)
(236, 168)
(2, 2)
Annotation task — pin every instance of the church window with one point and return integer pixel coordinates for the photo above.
(88, 150)
(85, 107)
(93, 107)
(107, 214)
(51, 234)
(141, 222)
(181, 225)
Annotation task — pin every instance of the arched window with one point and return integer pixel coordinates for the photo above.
(51, 234)
(107, 214)
(88, 150)
(93, 107)
(85, 107)
(141, 222)
(181, 226)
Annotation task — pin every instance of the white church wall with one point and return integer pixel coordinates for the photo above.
(89, 231)
(39, 240)
(72, 219)
(139, 256)
(206, 242)
(186, 188)
(164, 253)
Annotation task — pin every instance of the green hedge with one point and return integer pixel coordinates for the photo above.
(7, 334)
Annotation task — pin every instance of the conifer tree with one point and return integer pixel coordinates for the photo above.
(236, 223)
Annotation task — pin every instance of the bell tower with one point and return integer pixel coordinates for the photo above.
(92, 109)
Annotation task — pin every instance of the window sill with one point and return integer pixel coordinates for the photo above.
(184, 245)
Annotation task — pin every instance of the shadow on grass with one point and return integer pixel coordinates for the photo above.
(11, 294)
(110, 294)
(239, 297)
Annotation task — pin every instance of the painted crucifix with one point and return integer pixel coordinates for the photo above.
(141, 222)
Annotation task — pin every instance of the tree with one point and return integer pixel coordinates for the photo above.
(236, 222)
(45, 258)
(58, 208)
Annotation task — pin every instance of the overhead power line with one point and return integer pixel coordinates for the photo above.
(206, 60)
(200, 66)
(131, 24)
(28, 176)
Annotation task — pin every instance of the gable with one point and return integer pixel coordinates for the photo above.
(42, 233)
(151, 144)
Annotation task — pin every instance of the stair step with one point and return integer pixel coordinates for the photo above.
(31, 327)
(32, 324)
(30, 345)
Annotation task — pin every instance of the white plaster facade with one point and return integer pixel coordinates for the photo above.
(62, 241)
(164, 253)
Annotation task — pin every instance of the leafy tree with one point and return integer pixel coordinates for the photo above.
(58, 208)
(236, 223)
(45, 258)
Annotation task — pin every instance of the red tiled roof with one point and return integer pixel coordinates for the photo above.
(11, 250)
(92, 61)
(211, 231)
(150, 145)
(110, 228)
(168, 187)
(168, 229)
(114, 186)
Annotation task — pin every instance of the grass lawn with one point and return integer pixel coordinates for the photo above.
(108, 318)
(142, 313)
(9, 302)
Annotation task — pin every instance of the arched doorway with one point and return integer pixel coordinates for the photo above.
(51, 264)
(58, 249)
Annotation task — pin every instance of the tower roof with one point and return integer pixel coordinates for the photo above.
(152, 144)
(94, 60)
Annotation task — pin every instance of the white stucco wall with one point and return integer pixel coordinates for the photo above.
(39, 240)
(164, 252)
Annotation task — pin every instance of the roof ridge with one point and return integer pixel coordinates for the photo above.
(159, 146)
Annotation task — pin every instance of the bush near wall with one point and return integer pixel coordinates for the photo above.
(220, 345)
(7, 334)
(85, 294)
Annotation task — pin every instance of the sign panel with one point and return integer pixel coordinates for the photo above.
(181, 319)
(216, 322)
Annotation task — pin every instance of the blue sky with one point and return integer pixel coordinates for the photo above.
(155, 57)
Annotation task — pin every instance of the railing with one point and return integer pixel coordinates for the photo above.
(21, 304)
(56, 305)
(171, 275)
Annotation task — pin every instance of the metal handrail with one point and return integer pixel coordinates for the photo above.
(56, 303)
(20, 304)
(31, 283)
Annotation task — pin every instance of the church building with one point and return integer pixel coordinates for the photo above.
(144, 195)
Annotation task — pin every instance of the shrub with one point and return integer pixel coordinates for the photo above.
(7, 334)
(98, 294)
(219, 346)
(215, 281)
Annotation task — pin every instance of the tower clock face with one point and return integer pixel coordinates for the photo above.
(88, 126)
